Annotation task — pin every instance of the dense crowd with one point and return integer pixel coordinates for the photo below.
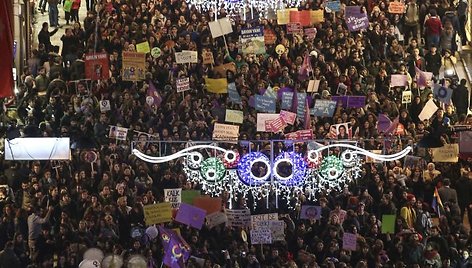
(53, 210)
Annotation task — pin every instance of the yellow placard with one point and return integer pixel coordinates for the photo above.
(316, 16)
(157, 213)
(234, 116)
(225, 132)
(447, 153)
(143, 47)
(283, 16)
(218, 86)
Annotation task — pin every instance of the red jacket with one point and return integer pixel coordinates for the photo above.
(433, 26)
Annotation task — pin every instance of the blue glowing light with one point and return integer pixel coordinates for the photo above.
(299, 167)
(245, 165)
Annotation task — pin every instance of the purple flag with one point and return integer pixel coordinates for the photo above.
(383, 123)
(191, 216)
(153, 97)
(310, 212)
(176, 250)
(340, 99)
(356, 101)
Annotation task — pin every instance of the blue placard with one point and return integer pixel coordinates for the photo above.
(324, 108)
(233, 94)
(287, 99)
(265, 104)
(334, 6)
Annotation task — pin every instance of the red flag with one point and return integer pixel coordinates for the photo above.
(6, 46)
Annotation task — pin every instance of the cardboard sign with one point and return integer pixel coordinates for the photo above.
(173, 196)
(220, 27)
(287, 100)
(301, 17)
(262, 118)
(119, 133)
(324, 108)
(263, 218)
(265, 104)
(277, 229)
(349, 241)
(288, 117)
(310, 212)
(313, 86)
(134, 66)
(234, 116)
(105, 106)
(448, 153)
(428, 110)
(252, 40)
(210, 204)
(333, 6)
(186, 56)
(398, 80)
(182, 84)
(157, 213)
(143, 47)
(316, 16)
(238, 217)
(208, 57)
(277, 125)
(224, 132)
(396, 8)
(388, 224)
(270, 37)
(355, 19)
(406, 97)
(294, 28)
(215, 219)
(96, 66)
(261, 236)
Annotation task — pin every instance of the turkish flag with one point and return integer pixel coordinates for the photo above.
(6, 46)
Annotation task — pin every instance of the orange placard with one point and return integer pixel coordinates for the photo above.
(396, 8)
(301, 17)
(210, 204)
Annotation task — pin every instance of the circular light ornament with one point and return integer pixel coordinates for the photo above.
(212, 170)
(349, 158)
(245, 165)
(313, 158)
(299, 167)
(231, 159)
(194, 160)
(331, 170)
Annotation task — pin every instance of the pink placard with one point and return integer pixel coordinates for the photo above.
(288, 117)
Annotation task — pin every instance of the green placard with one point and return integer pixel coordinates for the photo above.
(189, 195)
(388, 224)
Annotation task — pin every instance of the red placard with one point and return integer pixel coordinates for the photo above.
(302, 17)
(96, 66)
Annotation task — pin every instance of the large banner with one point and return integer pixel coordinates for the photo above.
(252, 40)
(134, 66)
(96, 66)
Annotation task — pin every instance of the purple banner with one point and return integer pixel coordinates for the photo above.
(340, 99)
(191, 216)
(355, 19)
(356, 101)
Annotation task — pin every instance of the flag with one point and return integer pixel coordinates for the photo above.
(6, 45)
(152, 96)
(176, 250)
(437, 203)
(191, 216)
(423, 79)
(333, 133)
(270, 93)
(305, 69)
(217, 86)
(307, 115)
(393, 126)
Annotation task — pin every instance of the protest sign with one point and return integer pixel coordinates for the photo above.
(265, 104)
(310, 33)
(294, 28)
(252, 40)
(233, 94)
(443, 94)
(406, 97)
(119, 133)
(173, 196)
(428, 110)
(156, 52)
(388, 224)
(191, 216)
(287, 100)
(96, 66)
(234, 116)
(143, 47)
(283, 16)
(448, 153)
(340, 100)
(189, 195)
(310, 212)
(277, 229)
(306, 134)
(263, 218)
(324, 108)
(182, 84)
(105, 106)
(210, 204)
(301, 103)
(396, 8)
(398, 80)
(216, 218)
(342, 89)
(207, 57)
(238, 217)
(134, 66)
(224, 132)
(223, 69)
(186, 56)
(333, 6)
(262, 118)
(349, 241)
(465, 142)
(300, 17)
(220, 27)
(355, 101)
(157, 213)
(217, 86)
(411, 161)
(356, 20)
(316, 16)
(277, 125)
(261, 236)
(288, 117)
(313, 86)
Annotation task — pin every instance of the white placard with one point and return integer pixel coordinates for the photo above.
(215, 219)
(428, 110)
(182, 84)
(186, 56)
(173, 196)
(105, 106)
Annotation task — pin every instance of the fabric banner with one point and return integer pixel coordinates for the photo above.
(157, 213)
(355, 19)
(134, 66)
(355, 101)
(210, 204)
(324, 108)
(96, 66)
(217, 86)
(448, 153)
(191, 216)
(225, 132)
(301, 17)
(173, 196)
(340, 99)
(182, 84)
(383, 123)
(152, 96)
(176, 249)
(252, 40)
(233, 94)
(316, 16)
(283, 16)
(423, 79)
(310, 212)
(265, 104)
(189, 195)
(443, 94)
(234, 116)
(238, 217)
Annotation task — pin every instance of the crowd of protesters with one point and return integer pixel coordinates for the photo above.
(52, 211)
